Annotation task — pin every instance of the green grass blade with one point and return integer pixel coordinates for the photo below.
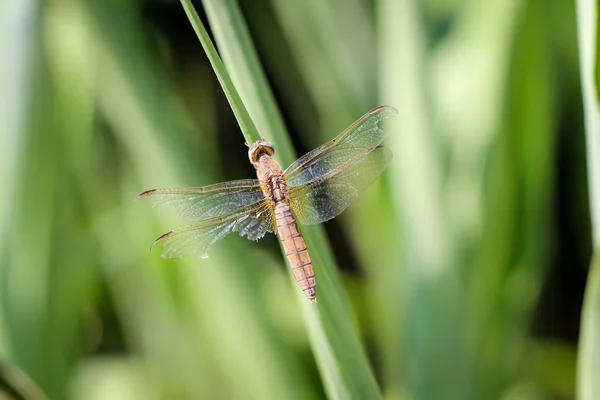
(588, 385)
(336, 71)
(428, 282)
(241, 114)
(342, 362)
(242, 63)
(587, 14)
(15, 93)
(588, 364)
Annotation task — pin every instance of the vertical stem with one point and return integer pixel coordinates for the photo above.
(587, 29)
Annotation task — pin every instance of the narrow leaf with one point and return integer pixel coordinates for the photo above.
(588, 384)
(342, 361)
(241, 114)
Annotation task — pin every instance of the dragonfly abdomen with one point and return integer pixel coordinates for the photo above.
(295, 249)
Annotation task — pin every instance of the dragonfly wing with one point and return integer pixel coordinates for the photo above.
(253, 222)
(352, 144)
(322, 199)
(213, 201)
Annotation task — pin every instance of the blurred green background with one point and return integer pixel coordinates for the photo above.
(463, 268)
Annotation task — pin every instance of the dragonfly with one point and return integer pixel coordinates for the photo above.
(313, 189)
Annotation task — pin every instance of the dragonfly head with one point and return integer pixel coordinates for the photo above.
(259, 148)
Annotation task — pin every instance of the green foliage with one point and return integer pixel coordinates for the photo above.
(438, 269)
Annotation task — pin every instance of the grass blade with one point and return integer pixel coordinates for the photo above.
(241, 114)
(588, 364)
(588, 30)
(342, 361)
(17, 55)
(588, 386)
(242, 63)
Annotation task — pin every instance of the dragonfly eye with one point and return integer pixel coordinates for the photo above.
(259, 148)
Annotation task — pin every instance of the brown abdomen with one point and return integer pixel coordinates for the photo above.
(295, 249)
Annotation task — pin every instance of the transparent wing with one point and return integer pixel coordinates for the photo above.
(252, 222)
(324, 198)
(213, 201)
(352, 144)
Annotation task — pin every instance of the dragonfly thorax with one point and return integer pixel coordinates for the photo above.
(258, 149)
(276, 188)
